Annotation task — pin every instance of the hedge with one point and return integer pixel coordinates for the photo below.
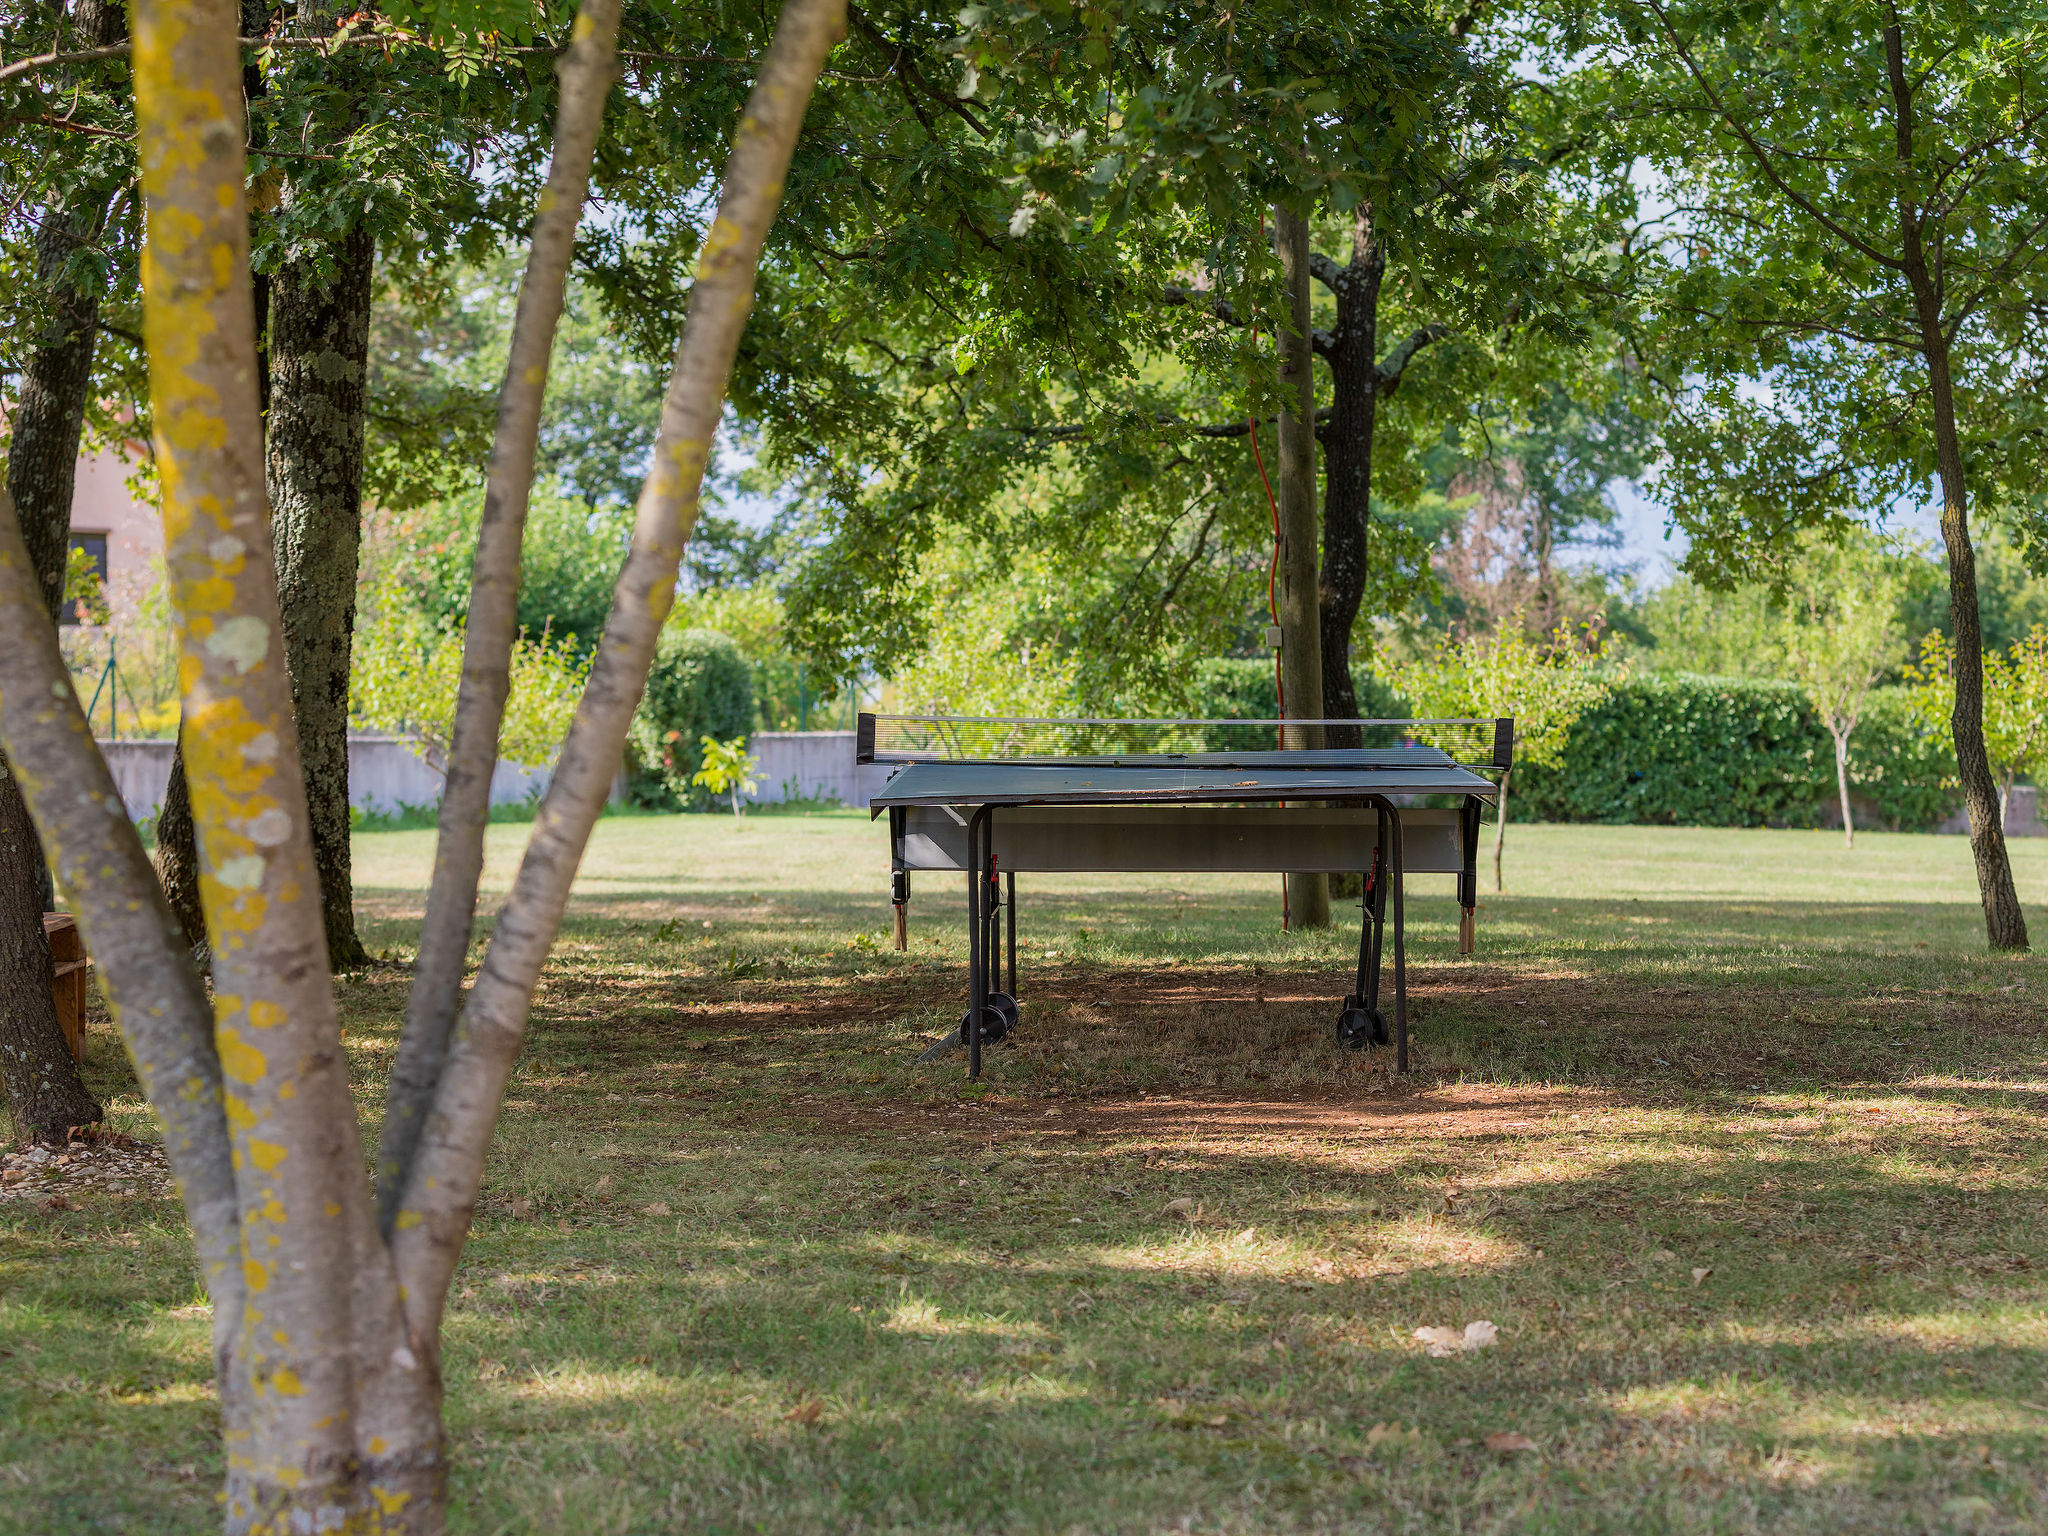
(1734, 752)
(1688, 751)
(700, 686)
(1241, 688)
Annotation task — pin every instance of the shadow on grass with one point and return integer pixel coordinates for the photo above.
(741, 1263)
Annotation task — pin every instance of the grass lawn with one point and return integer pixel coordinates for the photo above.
(1735, 1137)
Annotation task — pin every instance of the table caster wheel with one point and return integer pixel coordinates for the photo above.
(1006, 1005)
(1359, 1027)
(994, 1022)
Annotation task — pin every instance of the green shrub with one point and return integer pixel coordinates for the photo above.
(1241, 688)
(1683, 750)
(700, 686)
(1901, 774)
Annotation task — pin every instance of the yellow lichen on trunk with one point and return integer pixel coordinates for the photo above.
(296, 1156)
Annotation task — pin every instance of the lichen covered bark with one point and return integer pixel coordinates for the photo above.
(588, 71)
(155, 998)
(300, 1464)
(319, 357)
(46, 417)
(440, 1192)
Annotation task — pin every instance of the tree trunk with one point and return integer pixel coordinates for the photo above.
(44, 1093)
(322, 1336)
(1301, 646)
(1347, 483)
(491, 623)
(440, 1188)
(1842, 784)
(177, 856)
(42, 1084)
(2005, 924)
(156, 1000)
(1500, 834)
(319, 356)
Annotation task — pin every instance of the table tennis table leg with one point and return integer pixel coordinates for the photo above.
(899, 877)
(1376, 919)
(1010, 919)
(992, 914)
(1397, 879)
(977, 936)
(1366, 989)
(1468, 876)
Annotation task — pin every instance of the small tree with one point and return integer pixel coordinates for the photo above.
(1841, 634)
(328, 1304)
(728, 769)
(406, 674)
(1544, 686)
(2015, 703)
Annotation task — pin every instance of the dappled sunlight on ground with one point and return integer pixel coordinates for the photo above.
(1744, 1167)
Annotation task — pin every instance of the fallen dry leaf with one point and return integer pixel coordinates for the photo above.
(522, 1207)
(1181, 1207)
(806, 1413)
(1379, 1434)
(604, 1184)
(1700, 1274)
(1445, 1342)
(1508, 1440)
(1441, 1342)
(659, 1208)
(1246, 1235)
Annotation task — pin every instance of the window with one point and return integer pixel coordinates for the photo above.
(94, 547)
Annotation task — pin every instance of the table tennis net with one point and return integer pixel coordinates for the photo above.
(984, 738)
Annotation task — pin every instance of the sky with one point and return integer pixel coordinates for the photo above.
(1653, 555)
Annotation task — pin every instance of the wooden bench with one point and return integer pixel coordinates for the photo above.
(68, 983)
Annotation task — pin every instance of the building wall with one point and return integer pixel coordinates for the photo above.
(103, 504)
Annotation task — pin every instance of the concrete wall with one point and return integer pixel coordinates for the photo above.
(813, 765)
(2022, 815)
(385, 773)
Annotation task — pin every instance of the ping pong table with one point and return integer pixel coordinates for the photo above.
(993, 798)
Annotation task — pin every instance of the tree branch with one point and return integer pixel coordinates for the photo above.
(1201, 298)
(440, 1193)
(908, 75)
(1387, 376)
(1761, 157)
(587, 76)
(156, 997)
(1324, 269)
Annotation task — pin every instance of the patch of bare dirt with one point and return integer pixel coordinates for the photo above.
(115, 1166)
